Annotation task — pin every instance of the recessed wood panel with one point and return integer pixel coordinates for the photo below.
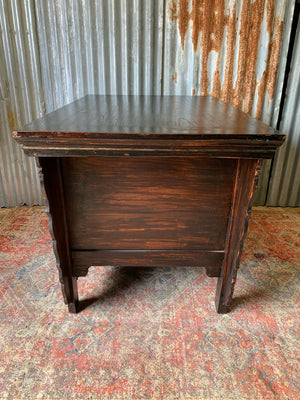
(147, 203)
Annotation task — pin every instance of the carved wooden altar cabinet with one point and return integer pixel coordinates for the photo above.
(149, 181)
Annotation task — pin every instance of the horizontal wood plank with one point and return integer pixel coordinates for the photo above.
(82, 260)
(147, 203)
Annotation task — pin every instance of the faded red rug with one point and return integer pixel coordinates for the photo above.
(150, 333)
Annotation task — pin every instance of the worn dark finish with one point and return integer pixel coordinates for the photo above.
(149, 125)
(52, 182)
(149, 181)
(244, 188)
(148, 203)
(212, 260)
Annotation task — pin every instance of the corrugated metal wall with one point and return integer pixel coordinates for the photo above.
(285, 180)
(53, 52)
(21, 96)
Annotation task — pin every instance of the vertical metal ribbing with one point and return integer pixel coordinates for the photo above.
(55, 52)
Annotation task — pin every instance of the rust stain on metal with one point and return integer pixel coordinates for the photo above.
(196, 18)
(274, 57)
(11, 119)
(174, 77)
(226, 92)
(218, 22)
(206, 22)
(270, 6)
(237, 93)
(183, 19)
(267, 83)
(256, 17)
(261, 84)
(260, 93)
(212, 19)
(173, 10)
(217, 39)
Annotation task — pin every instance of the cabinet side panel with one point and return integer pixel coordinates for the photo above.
(148, 203)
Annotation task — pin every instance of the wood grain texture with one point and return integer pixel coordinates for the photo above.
(50, 175)
(149, 181)
(149, 125)
(147, 203)
(245, 185)
(211, 260)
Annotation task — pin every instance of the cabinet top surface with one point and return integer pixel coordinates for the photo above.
(159, 115)
(98, 124)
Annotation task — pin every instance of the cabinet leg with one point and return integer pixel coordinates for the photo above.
(74, 306)
(70, 293)
(51, 179)
(246, 179)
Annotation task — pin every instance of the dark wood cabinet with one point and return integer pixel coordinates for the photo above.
(149, 181)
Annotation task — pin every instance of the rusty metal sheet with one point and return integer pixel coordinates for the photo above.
(230, 50)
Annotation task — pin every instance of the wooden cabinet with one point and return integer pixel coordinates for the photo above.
(149, 181)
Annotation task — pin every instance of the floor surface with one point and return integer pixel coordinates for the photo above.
(150, 333)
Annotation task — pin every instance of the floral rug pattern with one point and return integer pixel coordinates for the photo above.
(150, 333)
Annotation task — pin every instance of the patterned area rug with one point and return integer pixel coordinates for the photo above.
(150, 333)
